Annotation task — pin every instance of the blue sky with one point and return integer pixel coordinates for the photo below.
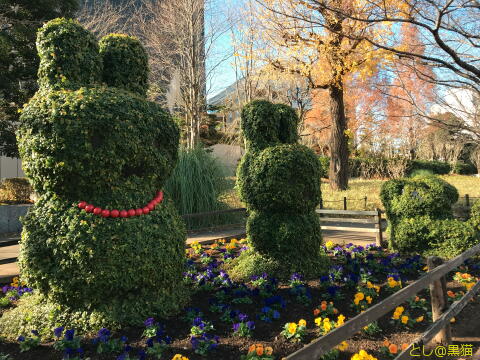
(224, 74)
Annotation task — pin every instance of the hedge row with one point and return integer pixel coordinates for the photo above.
(388, 168)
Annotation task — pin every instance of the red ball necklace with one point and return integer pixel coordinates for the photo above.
(90, 208)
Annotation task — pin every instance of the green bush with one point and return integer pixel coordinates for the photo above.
(414, 235)
(15, 190)
(462, 168)
(436, 167)
(279, 181)
(111, 148)
(419, 211)
(446, 238)
(325, 165)
(474, 218)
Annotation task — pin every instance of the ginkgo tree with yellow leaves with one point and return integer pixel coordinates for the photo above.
(325, 47)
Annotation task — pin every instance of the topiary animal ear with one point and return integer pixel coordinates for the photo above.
(69, 56)
(259, 125)
(287, 119)
(125, 63)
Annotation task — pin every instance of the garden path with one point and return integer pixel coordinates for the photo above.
(8, 271)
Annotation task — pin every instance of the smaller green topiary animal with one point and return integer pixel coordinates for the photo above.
(419, 211)
(279, 180)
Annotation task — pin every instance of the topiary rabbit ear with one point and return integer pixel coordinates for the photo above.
(125, 63)
(288, 123)
(69, 56)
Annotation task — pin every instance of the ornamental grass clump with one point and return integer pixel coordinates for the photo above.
(98, 154)
(279, 180)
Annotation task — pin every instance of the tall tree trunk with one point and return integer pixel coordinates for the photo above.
(338, 172)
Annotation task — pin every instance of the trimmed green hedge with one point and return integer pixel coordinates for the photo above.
(380, 167)
(279, 180)
(83, 141)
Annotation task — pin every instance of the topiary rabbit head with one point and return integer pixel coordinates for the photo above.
(418, 196)
(265, 124)
(89, 133)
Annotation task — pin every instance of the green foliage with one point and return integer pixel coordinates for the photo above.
(111, 148)
(475, 215)
(279, 180)
(4, 301)
(283, 178)
(110, 265)
(277, 235)
(436, 167)
(196, 182)
(421, 172)
(73, 148)
(414, 235)
(69, 56)
(125, 63)
(325, 164)
(19, 60)
(419, 211)
(265, 124)
(15, 189)
(251, 262)
(463, 168)
(446, 238)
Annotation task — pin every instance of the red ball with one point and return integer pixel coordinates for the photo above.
(146, 210)
(123, 213)
(114, 213)
(160, 196)
(89, 208)
(150, 206)
(138, 211)
(131, 212)
(106, 213)
(97, 211)
(82, 204)
(154, 202)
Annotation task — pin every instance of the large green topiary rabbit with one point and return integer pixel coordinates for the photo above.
(100, 246)
(279, 180)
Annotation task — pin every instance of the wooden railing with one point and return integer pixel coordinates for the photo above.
(434, 278)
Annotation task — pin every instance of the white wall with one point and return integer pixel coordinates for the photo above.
(10, 167)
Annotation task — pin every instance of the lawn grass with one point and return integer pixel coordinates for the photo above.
(361, 188)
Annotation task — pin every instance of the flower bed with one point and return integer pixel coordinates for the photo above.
(262, 318)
